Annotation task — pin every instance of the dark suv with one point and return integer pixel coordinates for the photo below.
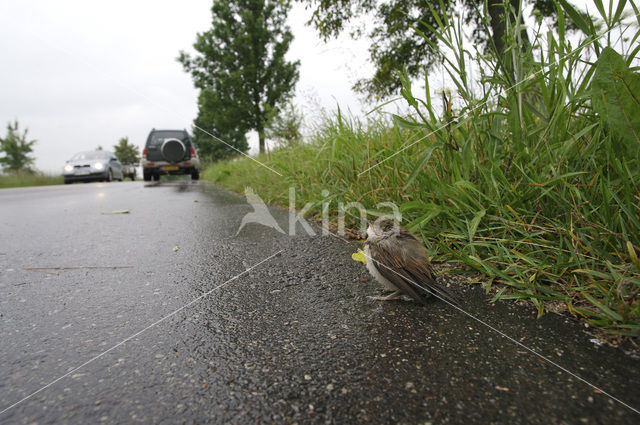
(169, 152)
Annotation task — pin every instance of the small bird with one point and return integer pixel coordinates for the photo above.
(398, 260)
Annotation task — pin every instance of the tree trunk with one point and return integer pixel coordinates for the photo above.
(260, 130)
(496, 11)
(261, 139)
(259, 118)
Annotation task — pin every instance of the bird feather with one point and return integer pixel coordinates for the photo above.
(402, 259)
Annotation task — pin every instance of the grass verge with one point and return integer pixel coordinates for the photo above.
(529, 176)
(27, 179)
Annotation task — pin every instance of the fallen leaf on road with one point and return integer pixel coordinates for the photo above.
(51, 270)
(175, 248)
(359, 256)
(499, 388)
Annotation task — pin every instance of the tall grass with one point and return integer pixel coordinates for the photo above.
(28, 179)
(528, 177)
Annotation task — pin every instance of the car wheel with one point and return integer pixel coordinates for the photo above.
(67, 181)
(146, 176)
(195, 175)
(110, 176)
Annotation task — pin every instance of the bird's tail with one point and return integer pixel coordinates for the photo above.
(441, 291)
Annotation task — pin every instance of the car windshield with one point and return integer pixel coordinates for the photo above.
(90, 155)
(158, 137)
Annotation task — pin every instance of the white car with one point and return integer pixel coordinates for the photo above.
(92, 166)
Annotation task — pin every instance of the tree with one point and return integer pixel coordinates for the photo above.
(218, 130)
(125, 152)
(395, 44)
(241, 66)
(16, 150)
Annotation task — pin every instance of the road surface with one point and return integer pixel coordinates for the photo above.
(164, 315)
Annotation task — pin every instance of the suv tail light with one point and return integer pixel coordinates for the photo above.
(193, 152)
(144, 152)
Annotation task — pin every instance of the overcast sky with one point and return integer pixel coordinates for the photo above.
(80, 74)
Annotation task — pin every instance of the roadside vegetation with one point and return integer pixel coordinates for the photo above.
(527, 171)
(17, 163)
(126, 152)
(28, 179)
(15, 150)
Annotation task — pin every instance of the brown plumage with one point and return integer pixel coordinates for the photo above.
(399, 261)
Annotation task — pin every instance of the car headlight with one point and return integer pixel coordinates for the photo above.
(98, 166)
(68, 168)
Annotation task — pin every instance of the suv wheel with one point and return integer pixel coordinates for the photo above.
(195, 175)
(146, 176)
(173, 150)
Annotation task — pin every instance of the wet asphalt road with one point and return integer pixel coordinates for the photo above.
(292, 340)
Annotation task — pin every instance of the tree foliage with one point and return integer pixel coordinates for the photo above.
(241, 69)
(394, 42)
(16, 150)
(218, 121)
(126, 152)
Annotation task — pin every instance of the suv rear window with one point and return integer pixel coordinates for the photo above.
(156, 138)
